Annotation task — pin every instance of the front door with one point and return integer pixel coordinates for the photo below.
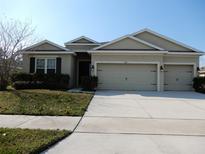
(84, 70)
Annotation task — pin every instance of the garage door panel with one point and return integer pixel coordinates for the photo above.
(178, 77)
(175, 87)
(170, 78)
(127, 76)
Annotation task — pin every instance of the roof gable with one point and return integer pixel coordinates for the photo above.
(127, 43)
(162, 41)
(45, 46)
(82, 40)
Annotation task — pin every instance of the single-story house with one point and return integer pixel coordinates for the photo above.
(145, 60)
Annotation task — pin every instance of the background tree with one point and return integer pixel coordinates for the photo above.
(14, 36)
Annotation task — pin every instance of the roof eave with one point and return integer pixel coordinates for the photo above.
(82, 44)
(46, 52)
(145, 52)
(45, 41)
(126, 51)
(187, 53)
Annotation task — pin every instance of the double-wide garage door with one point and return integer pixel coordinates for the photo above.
(127, 76)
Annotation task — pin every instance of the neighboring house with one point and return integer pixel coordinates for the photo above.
(144, 60)
(202, 72)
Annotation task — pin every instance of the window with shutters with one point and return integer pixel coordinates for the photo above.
(46, 65)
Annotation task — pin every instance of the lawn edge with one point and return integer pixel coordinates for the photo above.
(41, 115)
(74, 127)
(47, 146)
(86, 108)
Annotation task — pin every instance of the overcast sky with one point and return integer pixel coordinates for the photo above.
(104, 20)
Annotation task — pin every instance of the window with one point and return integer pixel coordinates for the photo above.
(51, 66)
(46, 65)
(40, 66)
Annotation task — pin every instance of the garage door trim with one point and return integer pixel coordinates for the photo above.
(130, 62)
(193, 64)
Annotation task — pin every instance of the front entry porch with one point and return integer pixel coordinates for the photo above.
(83, 66)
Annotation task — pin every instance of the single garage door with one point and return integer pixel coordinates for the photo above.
(178, 77)
(127, 76)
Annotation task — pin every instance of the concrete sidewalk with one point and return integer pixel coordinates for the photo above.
(39, 122)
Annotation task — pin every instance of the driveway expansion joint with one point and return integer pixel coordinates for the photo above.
(145, 134)
(195, 106)
(161, 118)
(143, 109)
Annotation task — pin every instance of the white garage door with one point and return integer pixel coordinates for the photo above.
(127, 76)
(178, 77)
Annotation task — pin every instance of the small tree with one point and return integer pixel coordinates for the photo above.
(14, 36)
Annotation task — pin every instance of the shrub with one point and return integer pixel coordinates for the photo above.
(28, 85)
(40, 81)
(199, 84)
(21, 77)
(89, 82)
(3, 85)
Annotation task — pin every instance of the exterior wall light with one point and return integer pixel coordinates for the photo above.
(162, 68)
(92, 67)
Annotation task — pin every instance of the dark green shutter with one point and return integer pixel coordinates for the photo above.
(58, 65)
(32, 65)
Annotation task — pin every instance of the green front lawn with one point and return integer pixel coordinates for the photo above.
(24, 141)
(43, 102)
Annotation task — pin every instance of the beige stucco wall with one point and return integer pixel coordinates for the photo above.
(181, 59)
(127, 43)
(146, 58)
(68, 64)
(68, 67)
(26, 63)
(158, 41)
(124, 57)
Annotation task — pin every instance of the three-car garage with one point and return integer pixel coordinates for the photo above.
(145, 76)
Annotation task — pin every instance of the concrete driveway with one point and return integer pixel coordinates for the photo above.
(121, 122)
